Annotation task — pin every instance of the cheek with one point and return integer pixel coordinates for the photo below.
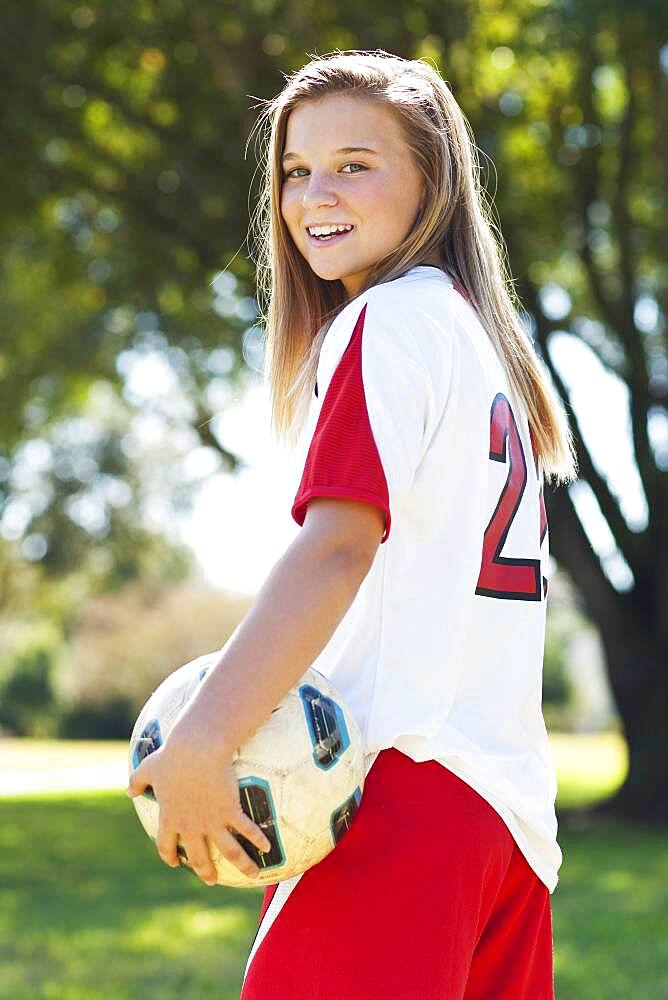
(373, 194)
(408, 182)
(388, 199)
(288, 206)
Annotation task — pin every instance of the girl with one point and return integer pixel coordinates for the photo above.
(418, 581)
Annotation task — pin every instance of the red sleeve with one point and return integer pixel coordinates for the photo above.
(343, 459)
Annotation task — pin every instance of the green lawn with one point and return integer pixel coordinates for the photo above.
(88, 910)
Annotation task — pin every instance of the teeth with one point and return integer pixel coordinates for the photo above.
(326, 230)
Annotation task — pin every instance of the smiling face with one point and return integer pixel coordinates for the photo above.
(376, 190)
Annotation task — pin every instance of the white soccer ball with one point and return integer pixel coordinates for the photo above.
(300, 774)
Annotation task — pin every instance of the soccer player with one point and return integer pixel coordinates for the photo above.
(400, 369)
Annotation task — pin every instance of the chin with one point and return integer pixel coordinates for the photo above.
(327, 273)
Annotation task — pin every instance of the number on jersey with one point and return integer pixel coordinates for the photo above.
(501, 576)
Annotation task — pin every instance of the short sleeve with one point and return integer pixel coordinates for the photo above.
(375, 398)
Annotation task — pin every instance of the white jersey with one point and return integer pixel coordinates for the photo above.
(441, 651)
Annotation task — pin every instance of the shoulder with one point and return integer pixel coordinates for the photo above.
(412, 316)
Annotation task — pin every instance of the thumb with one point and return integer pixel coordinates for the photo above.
(140, 779)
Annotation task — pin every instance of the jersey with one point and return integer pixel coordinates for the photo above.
(440, 653)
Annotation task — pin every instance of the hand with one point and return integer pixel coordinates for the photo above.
(198, 796)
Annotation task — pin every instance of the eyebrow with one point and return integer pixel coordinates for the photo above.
(344, 149)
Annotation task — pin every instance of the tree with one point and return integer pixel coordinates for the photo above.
(122, 195)
(608, 136)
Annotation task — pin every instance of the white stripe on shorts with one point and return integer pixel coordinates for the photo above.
(285, 887)
(277, 902)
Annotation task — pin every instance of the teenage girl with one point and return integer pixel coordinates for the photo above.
(418, 581)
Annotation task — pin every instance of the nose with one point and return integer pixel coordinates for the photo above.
(319, 190)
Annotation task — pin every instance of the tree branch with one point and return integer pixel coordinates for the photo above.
(571, 547)
(659, 83)
(640, 400)
(618, 314)
(629, 542)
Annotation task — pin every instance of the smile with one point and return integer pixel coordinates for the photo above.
(321, 241)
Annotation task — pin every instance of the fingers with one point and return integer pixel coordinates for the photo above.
(199, 858)
(198, 854)
(166, 843)
(245, 825)
(140, 778)
(232, 850)
(173, 840)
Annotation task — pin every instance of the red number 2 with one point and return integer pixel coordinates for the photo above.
(501, 576)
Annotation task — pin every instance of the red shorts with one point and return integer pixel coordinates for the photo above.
(425, 897)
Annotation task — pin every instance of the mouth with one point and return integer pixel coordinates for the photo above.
(322, 241)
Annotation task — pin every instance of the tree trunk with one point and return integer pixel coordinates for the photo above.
(637, 673)
(633, 635)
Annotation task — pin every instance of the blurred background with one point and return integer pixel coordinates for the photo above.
(144, 500)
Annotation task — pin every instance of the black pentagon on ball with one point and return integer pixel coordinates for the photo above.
(258, 804)
(343, 816)
(326, 725)
(148, 741)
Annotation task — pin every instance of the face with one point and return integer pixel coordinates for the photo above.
(377, 191)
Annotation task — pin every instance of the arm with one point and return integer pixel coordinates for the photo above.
(305, 596)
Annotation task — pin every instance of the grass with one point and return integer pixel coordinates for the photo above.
(589, 766)
(610, 914)
(86, 908)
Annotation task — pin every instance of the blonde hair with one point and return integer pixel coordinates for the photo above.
(454, 226)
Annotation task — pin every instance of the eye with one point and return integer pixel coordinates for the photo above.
(288, 174)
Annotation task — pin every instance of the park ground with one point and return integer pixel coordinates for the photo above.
(87, 909)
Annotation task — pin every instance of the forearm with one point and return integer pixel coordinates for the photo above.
(294, 615)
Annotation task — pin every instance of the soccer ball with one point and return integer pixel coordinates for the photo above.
(300, 774)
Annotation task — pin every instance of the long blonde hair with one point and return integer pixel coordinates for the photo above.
(454, 226)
